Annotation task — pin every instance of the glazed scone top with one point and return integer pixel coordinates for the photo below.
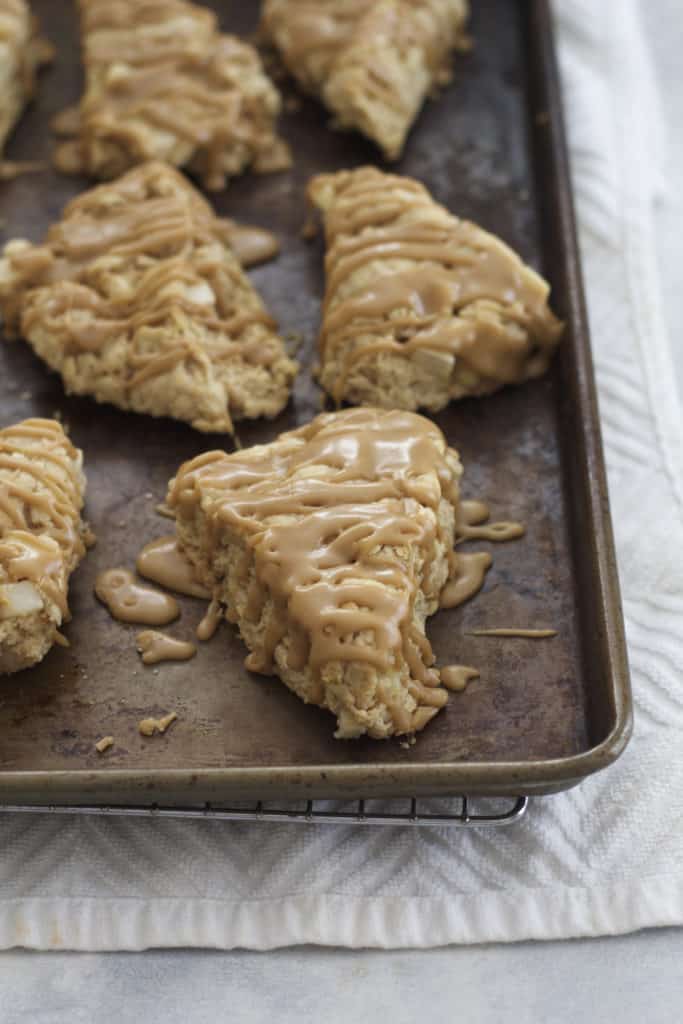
(312, 33)
(41, 496)
(343, 517)
(407, 275)
(139, 275)
(162, 82)
(372, 62)
(110, 238)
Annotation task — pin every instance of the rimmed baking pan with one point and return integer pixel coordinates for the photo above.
(544, 714)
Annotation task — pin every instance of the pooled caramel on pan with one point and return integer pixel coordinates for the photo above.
(130, 601)
(162, 562)
(155, 647)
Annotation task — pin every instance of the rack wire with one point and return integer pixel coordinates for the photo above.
(467, 812)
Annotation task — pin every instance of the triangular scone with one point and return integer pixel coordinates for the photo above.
(137, 299)
(420, 306)
(42, 537)
(372, 62)
(330, 547)
(163, 83)
(22, 51)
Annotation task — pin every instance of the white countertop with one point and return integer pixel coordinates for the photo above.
(631, 979)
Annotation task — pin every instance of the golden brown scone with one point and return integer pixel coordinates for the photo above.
(420, 306)
(137, 299)
(330, 547)
(372, 62)
(162, 83)
(42, 537)
(22, 52)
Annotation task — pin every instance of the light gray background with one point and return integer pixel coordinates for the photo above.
(631, 979)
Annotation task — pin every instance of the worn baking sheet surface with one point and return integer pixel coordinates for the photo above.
(531, 704)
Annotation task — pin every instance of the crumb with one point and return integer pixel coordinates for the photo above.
(104, 744)
(149, 726)
(10, 169)
(409, 742)
(310, 229)
(25, 396)
(293, 341)
(149, 495)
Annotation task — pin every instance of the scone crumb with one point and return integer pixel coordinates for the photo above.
(104, 744)
(149, 726)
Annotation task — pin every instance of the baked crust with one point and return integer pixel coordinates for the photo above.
(420, 306)
(137, 299)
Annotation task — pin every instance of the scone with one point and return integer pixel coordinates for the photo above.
(330, 547)
(162, 83)
(22, 51)
(420, 306)
(42, 537)
(137, 299)
(372, 62)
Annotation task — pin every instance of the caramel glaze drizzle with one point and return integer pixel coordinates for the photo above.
(405, 275)
(343, 521)
(153, 224)
(210, 622)
(160, 74)
(42, 538)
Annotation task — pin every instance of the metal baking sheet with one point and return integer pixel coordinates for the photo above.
(543, 714)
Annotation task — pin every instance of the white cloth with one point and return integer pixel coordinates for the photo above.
(606, 857)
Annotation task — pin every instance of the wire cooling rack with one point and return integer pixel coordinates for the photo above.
(457, 812)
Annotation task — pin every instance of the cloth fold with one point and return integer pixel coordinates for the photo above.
(604, 858)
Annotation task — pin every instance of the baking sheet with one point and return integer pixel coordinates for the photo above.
(543, 713)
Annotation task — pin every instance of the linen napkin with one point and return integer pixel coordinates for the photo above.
(604, 858)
